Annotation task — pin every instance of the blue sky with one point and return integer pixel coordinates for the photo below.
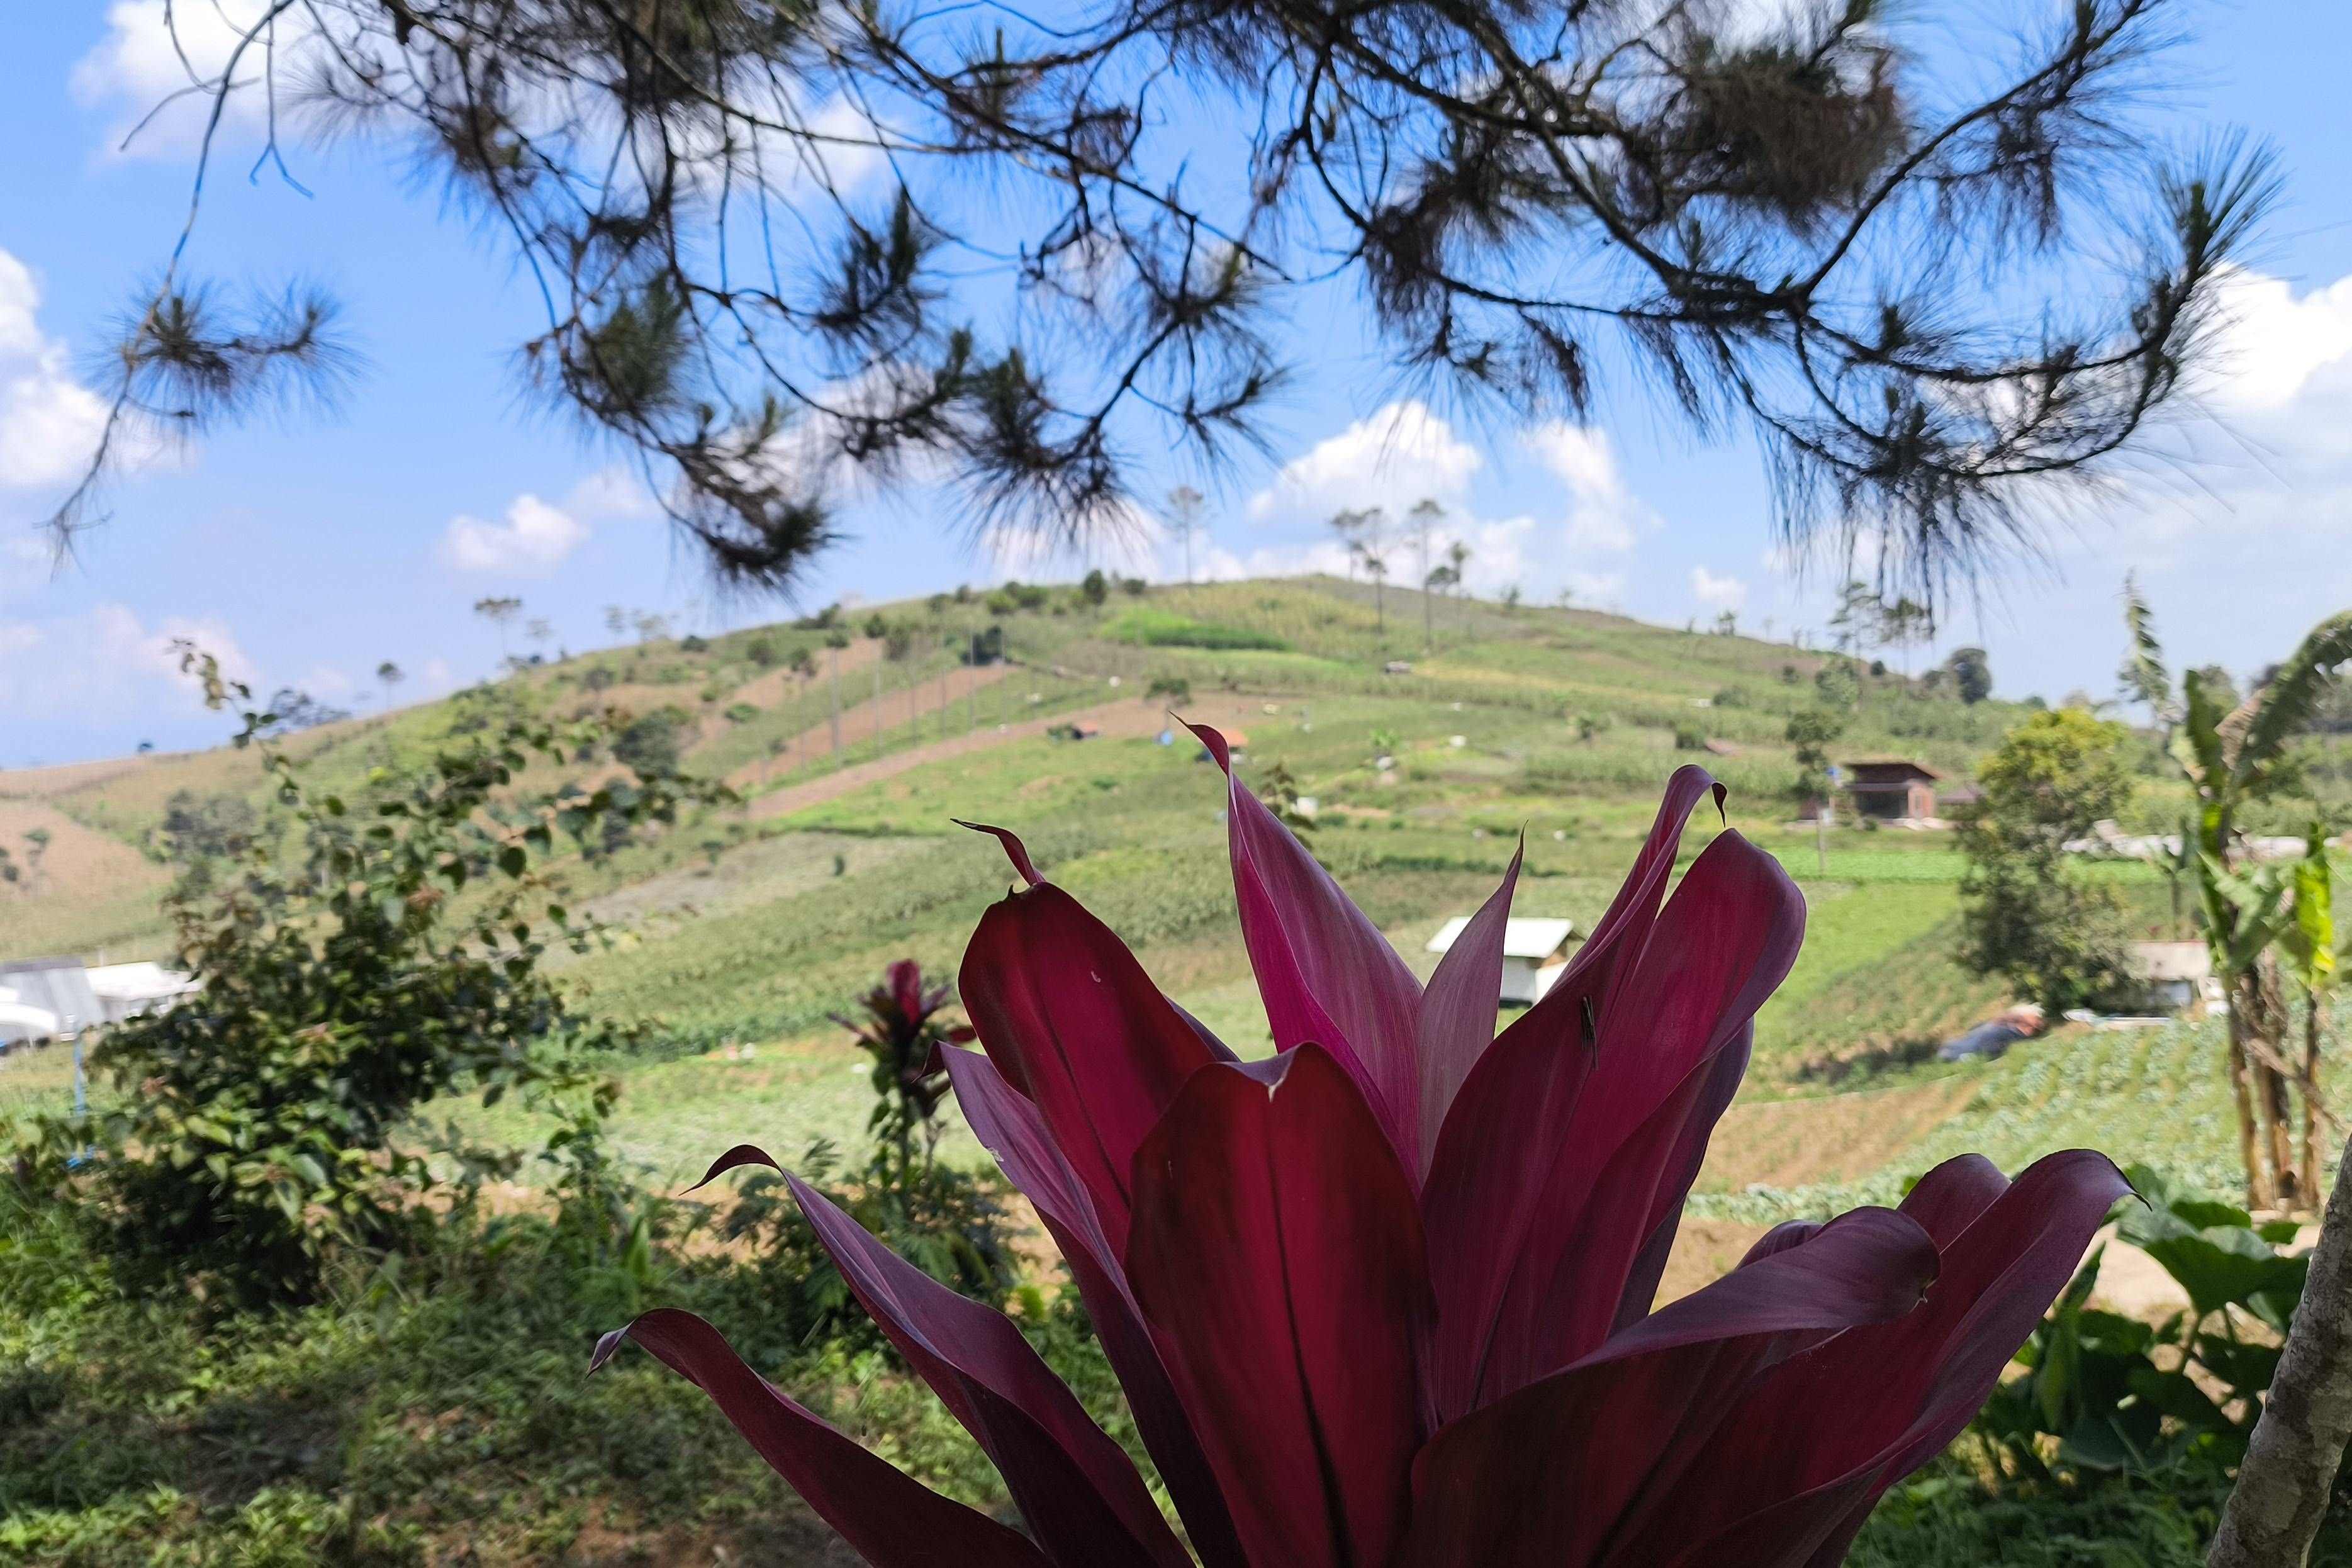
(311, 550)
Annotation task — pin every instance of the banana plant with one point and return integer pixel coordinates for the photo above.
(2308, 943)
(2232, 754)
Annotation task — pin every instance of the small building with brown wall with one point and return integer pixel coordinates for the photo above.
(1892, 789)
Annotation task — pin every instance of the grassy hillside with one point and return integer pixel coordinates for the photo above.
(750, 925)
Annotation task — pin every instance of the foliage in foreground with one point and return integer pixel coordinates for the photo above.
(1386, 1298)
(2104, 1393)
(386, 953)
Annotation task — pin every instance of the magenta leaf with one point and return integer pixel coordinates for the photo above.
(1340, 1358)
(1845, 1420)
(1324, 971)
(1457, 1009)
(1073, 1022)
(1577, 1452)
(1077, 1488)
(1540, 1216)
(1279, 1260)
(891, 1520)
(1014, 850)
(1012, 1128)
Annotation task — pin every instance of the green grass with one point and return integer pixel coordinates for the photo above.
(1164, 628)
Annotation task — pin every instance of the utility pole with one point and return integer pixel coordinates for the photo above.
(1822, 823)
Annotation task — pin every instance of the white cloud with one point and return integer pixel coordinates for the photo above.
(151, 53)
(328, 684)
(49, 422)
(25, 564)
(1392, 458)
(613, 494)
(1724, 593)
(108, 659)
(1602, 514)
(1126, 545)
(438, 677)
(531, 540)
(2277, 340)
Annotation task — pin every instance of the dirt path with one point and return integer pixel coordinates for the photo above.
(1123, 718)
(860, 721)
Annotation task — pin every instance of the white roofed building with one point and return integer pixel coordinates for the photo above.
(1535, 953)
(132, 989)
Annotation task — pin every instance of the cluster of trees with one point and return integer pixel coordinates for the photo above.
(1364, 532)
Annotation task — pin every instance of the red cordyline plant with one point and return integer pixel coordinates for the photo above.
(903, 1032)
(1384, 1301)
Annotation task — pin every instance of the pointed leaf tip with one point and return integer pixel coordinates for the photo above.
(1014, 850)
(1214, 740)
(734, 1159)
(608, 1344)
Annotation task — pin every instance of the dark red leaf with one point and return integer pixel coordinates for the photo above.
(1279, 1263)
(1073, 1022)
(1833, 1427)
(889, 1519)
(1014, 850)
(1011, 1128)
(1457, 1009)
(1078, 1491)
(1546, 1477)
(1955, 1195)
(1324, 971)
(1501, 1135)
(738, 1157)
(1538, 1233)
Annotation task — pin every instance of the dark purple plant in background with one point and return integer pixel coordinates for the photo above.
(903, 1031)
(1386, 1298)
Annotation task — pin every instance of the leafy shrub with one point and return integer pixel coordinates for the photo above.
(2106, 1393)
(649, 745)
(762, 652)
(366, 964)
(950, 1223)
(1689, 737)
(2031, 916)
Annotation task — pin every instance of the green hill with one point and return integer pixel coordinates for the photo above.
(748, 925)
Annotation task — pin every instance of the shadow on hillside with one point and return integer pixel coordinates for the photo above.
(1856, 1067)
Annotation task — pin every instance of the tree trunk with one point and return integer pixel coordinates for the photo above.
(2268, 1020)
(2309, 1163)
(2250, 1148)
(2284, 1485)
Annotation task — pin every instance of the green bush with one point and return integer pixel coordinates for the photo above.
(350, 971)
(2105, 1393)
